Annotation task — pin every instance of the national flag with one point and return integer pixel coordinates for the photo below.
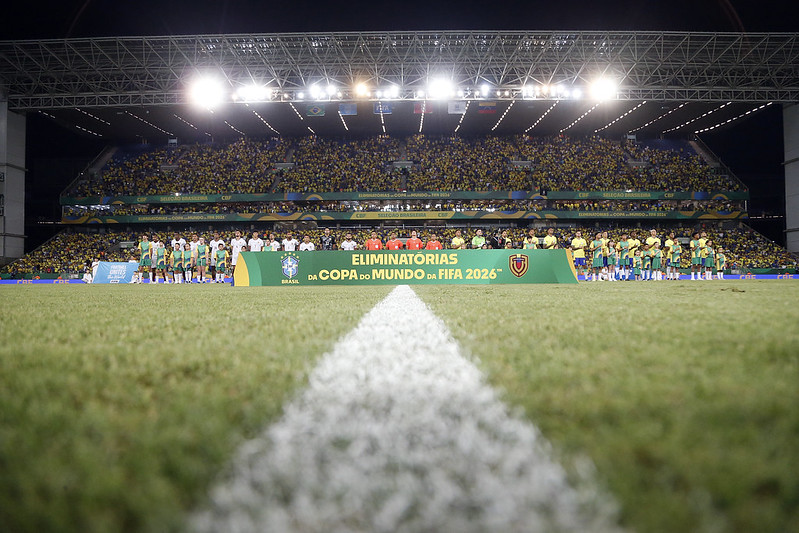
(456, 108)
(383, 108)
(486, 107)
(348, 109)
(422, 107)
(316, 110)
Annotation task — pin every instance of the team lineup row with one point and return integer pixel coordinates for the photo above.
(629, 258)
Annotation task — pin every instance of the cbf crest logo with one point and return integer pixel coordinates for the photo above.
(518, 264)
(290, 264)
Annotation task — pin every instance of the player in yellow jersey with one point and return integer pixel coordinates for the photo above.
(622, 250)
(633, 245)
(721, 262)
(578, 245)
(550, 241)
(667, 253)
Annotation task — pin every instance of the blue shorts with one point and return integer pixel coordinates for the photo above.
(579, 261)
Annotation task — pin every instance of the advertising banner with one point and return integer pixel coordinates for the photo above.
(320, 216)
(108, 272)
(402, 195)
(479, 267)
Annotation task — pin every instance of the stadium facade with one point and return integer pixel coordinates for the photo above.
(615, 84)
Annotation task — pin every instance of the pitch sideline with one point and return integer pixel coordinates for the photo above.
(398, 432)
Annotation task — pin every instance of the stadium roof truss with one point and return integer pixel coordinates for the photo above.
(152, 71)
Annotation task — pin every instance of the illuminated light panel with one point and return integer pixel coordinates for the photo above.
(606, 126)
(703, 115)
(231, 126)
(667, 113)
(88, 131)
(421, 119)
(295, 111)
(268, 125)
(98, 119)
(542, 116)
(742, 115)
(186, 122)
(344, 122)
(149, 123)
(578, 119)
(382, 120)
(463, 115)
(503, 115)
(311, 130)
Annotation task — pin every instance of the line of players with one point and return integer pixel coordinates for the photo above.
(631, 259)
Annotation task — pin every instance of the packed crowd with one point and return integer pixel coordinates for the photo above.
(245, 166)
(557, 163)
(70, 251)
(325, 165)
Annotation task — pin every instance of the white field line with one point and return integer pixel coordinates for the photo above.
(397, 432)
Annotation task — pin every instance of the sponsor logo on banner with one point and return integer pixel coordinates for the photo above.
(422, 107)
(486, 107)
(518, 264)
(348, 109)
(290, 265)
(316, 110)
(456, 108)
(383, 108)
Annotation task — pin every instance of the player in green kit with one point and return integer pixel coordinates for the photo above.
(657, 262)
(177, 263)
(646, 263)
(159, 261)
(597, 262)
(676, 254)
(611, 260)
(721, 262)
(145, 248)
(709, 260)
(188, 262)
(201, 259)
(696, 257)
(637, 264)
(221, 257)
(623, 251)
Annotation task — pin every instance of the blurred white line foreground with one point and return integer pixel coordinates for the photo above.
(397, 432)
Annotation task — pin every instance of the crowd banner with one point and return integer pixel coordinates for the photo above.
(108, 272)
(477, 267)
(403, 195)
(321, 216)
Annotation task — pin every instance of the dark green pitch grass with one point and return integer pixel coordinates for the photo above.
(120, 404)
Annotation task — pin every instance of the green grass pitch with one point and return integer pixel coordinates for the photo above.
(120, 404)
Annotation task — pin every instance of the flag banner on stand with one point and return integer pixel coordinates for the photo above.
(383, 108)
(348, 109)
(456, 108)
(486, 107)
(316, 110)
(422, 107)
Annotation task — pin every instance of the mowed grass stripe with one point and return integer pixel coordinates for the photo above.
(119, 404)
(398, 432)
(683, 394)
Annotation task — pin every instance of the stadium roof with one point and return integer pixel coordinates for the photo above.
(539, 82)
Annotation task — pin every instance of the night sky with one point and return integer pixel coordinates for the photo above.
(752, 148)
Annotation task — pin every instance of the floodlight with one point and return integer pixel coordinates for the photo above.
(361, 89)
(379, 94)
(331, 90)
(460, 93)
(252, 93)
(315, 92)
(393, 91)
(577, 94)
(440, 88)
(604, 89)
(207, 92)
(419, 94)
(485, 89)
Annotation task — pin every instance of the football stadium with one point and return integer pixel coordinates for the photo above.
(442, 281)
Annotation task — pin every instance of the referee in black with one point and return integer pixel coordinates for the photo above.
(328, 240)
